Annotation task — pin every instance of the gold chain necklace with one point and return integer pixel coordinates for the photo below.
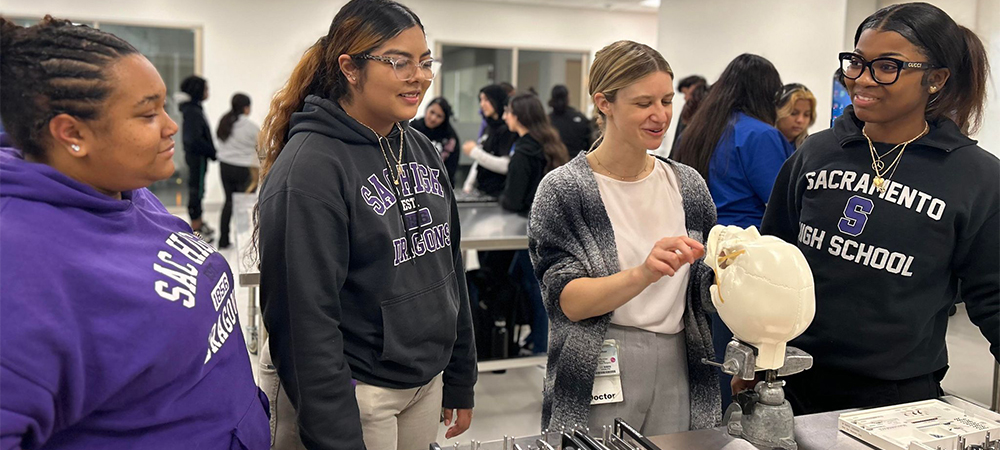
(645, 165)
(399, 159)
(879, 167)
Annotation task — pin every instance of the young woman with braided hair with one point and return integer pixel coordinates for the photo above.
(118, 324)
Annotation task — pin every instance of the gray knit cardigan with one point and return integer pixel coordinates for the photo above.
(569, 237)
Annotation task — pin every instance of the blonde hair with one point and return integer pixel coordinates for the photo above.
(789, 106)
(618, 66)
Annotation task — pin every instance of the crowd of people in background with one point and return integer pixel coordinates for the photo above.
(375, 326)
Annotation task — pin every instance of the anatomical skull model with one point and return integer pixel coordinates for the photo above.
(763, 290)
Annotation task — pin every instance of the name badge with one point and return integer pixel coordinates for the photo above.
(607, 378)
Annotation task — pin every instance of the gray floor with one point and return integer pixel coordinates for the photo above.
(511, 403)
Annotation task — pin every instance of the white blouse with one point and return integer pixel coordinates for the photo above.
(643, 212)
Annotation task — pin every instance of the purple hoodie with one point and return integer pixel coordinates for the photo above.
(119, 326)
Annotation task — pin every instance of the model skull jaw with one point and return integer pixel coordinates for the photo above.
(763, 292)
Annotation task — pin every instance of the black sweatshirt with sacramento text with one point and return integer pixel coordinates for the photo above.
(347, 290)
(889, 266)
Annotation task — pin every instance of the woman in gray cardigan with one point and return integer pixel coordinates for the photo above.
(616, 241)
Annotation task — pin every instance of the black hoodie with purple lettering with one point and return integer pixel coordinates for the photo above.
(360, 278)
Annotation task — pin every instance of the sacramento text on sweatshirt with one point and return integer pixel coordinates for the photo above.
(888, 267)
(119, 326)
(347, 291)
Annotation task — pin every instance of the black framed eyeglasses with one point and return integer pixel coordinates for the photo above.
(884, 70)
(405, 68)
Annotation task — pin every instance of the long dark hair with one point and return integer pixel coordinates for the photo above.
(947, 44)
(697, 95)
(194, 86)
(498, 98)
(750, 84)
(691, 80)
(359, 27)
(445, 108)
(239, 103)
(559, 100)
(531, 115)
(53, 68)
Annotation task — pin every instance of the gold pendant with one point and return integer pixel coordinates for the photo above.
(879, 181)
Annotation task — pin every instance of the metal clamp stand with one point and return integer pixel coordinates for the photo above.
(761, 415)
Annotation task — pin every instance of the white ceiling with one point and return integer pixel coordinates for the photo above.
(613, 5)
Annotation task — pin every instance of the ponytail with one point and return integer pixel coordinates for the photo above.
(288, 100)
(239, 103)
(965, 101)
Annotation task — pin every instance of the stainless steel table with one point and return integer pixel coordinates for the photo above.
(487, 226)
(249, 276)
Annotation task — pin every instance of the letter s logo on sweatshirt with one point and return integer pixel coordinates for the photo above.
(855, 215)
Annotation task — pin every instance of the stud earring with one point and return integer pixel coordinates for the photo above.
(934, 89)
(75, 147)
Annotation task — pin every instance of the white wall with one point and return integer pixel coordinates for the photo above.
(252, 45)
(530, 27)
(800, 37)
(988, 29)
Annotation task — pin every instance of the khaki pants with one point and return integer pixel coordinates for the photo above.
(391, 419)
(400, 419)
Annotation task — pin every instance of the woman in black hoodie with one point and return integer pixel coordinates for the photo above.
(896, 210)
(493, 150)
(436, 125)
(537, 151)
(198, 149)
(362, 285)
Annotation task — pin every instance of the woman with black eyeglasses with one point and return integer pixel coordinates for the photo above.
(362, 284)
(896, 210)
(732, 142)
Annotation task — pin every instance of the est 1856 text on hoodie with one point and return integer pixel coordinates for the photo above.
(888, 266)
(347, 291)
(119, 326)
